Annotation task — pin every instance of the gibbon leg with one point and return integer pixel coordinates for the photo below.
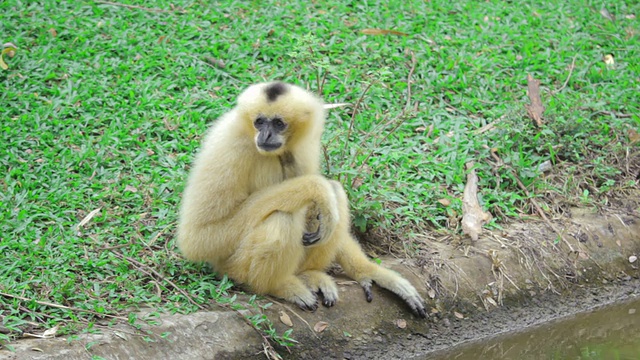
(357, 266)
(215, 240)
(273, 246)
(269, 256)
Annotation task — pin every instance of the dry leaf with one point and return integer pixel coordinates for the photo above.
(634, 137)
(431, 293)
(270, 352)
(53, 32)
(51, 332)
(491, 301)
(381, 32)
(88, 218)
(320, 326)
(8, 49)
(473, 217)
(445, 202)
(535, 109)
(215, 62)
(608, 59)
(285, 319)
(121, 335)
(632, 311)
(37, 349)
(420, 129)
(606, 14)
(130, 188)
(618, 243)
(458, 315)
(401, 323)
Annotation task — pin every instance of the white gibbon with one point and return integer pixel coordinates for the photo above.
(256, 208)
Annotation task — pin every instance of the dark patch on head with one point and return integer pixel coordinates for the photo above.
(274, 90)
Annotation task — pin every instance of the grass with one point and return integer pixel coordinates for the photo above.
(103, 107)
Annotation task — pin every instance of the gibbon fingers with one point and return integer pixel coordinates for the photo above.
(256, 208)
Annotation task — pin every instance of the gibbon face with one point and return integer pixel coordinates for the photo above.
(273, 112)
(270, 136)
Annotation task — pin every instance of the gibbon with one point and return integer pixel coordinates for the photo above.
(256, 208)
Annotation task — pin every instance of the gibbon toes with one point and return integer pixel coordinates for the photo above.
(409, 294)
(309, 303)
(366, 286)
(329, 294)
(417, 306)
(328, 299)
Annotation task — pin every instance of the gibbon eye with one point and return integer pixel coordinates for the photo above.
(278, 124)
(261, 120)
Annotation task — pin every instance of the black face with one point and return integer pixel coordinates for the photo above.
(270, 132)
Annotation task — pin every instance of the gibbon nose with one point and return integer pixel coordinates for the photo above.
(264, 137)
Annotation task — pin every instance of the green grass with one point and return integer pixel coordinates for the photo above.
(104, 106)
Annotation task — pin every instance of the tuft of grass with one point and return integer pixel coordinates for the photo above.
(103, 107)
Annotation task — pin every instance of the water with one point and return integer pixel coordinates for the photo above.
(609, 333)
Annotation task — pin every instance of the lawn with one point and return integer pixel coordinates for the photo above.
(104, 104)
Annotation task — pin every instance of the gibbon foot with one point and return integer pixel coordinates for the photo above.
(323, 284)
(329, 299)
(406, 291)
(329, 294)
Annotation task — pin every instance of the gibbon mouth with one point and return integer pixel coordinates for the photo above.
(269, 147)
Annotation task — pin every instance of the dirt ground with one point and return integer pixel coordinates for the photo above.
(515, 278)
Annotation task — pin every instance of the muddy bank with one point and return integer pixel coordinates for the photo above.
(510, 279)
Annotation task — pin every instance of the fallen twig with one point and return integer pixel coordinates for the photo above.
(531, 199)
(137, 7)
(413, 68)
(539, 209)
(353, 117)
(400, 118)
(296, 314)
(216, 68)
(58, 306)
(149, 271)
(573, 65)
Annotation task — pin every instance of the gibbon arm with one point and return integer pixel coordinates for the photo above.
(292, 195)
